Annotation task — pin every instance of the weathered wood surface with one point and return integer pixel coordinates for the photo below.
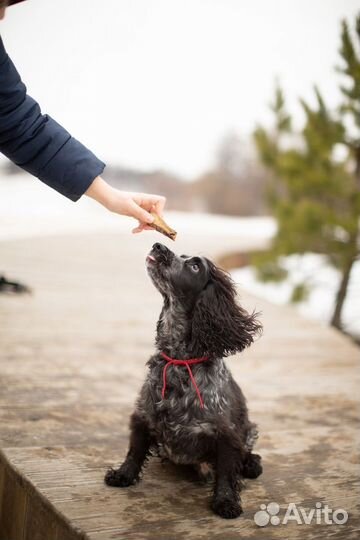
(72, 359)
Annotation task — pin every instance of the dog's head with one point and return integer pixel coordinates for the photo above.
(218, 325)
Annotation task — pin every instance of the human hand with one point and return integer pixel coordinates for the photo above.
(127, 203)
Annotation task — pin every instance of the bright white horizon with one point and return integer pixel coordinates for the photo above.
(158, 83)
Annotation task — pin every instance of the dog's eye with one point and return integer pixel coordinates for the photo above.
(195, 267)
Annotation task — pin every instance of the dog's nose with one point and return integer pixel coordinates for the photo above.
(160, 248)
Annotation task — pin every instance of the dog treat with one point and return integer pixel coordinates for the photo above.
(160, 226)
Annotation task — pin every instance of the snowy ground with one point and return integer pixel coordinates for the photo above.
(323, 280)
(28, 208)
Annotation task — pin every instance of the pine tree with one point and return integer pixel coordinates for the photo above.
(314, 193)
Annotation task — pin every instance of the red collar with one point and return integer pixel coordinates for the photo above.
(186, 363)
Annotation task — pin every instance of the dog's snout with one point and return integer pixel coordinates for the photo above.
(162, 254)
(160, 248)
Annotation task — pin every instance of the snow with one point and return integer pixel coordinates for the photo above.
(323, 280)
(29, 208)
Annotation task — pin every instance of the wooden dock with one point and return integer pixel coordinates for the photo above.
(72, 359)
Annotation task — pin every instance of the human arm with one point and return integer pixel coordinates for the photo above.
(45, 149)
(37, 143)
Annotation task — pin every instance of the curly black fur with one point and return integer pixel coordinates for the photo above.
(200, 317)
(220, 326)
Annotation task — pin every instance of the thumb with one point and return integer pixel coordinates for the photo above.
(139, 213)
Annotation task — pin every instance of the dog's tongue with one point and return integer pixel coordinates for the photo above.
(151, 258)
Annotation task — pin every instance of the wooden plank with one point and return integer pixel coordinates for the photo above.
(72, 360)
(13, 510)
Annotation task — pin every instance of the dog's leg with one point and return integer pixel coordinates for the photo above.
(140, 440)
(252, 466)
(226, 501)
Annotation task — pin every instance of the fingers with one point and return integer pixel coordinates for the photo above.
(159, 206)
(142, 227)
(151, 202)
(139, 206)
(139, 213)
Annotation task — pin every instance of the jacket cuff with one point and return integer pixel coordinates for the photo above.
(71, 170)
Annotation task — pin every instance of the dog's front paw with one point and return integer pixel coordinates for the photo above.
(122, 477)
(227, 508)
(252, 466)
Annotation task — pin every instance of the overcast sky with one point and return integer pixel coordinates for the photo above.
(157, 83)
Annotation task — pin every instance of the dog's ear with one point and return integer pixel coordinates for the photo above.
(219, 325)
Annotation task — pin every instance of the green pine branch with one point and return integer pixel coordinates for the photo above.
(315, 194)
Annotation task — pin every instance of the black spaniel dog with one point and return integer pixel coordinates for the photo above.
(190, 410)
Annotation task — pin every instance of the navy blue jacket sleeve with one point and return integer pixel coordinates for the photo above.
(37, 143)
